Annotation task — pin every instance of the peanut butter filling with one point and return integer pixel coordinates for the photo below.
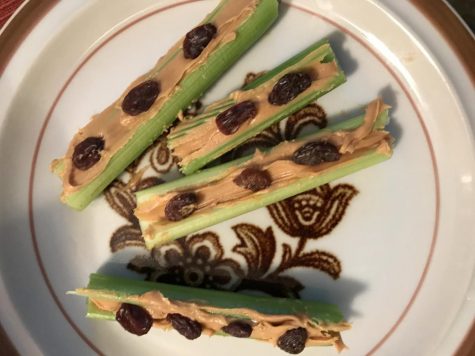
(278, 163)
(117, 128)
(265, 327)
(206, 137)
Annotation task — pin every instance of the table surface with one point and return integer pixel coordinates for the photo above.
(465, 8)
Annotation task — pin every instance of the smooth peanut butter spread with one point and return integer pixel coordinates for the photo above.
(117, 128)
(206, 137)
(265, 327)
(278, 163)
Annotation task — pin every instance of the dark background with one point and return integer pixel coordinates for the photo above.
(466, 9)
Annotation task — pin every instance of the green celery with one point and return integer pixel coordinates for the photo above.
(200, 220)
(102, 287)
(192, 86)
(318, 52)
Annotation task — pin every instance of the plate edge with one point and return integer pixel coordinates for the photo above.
(454, 31)
(460, 39)
(32, 12)
(19, 26)
(6, 346)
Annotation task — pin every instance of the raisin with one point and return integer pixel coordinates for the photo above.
(188, 328)
(134, 319)
(253, 179)
(181, 206)
(88, 152)
(313, 153)
(140, 98)
(230, 120)
(289, 87)
(197, 39)
(238, 328)
(293, 341)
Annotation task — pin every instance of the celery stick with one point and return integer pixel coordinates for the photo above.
(210, 174)
(192, 86)
(316, 53)
(276, 317)
(219, 214)
(166, 232)
(102, 287)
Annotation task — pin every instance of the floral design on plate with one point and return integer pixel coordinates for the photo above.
(197, 261)
(200, 260)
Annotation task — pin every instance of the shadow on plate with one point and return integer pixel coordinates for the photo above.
(341, 292)
(319, 287)
(390, 97)
(346, 61)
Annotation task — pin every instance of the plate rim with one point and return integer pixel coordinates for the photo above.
(454, 30)
(455, 34)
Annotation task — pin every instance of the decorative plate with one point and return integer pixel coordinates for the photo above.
(392, 245)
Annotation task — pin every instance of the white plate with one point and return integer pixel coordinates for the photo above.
(392, 245)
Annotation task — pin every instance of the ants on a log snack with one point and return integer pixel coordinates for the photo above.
(290, 324)
(249, 183)
(115, 137)
(245, 113)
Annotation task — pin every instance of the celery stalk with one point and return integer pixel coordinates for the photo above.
(102, 287)
(192, 86)
(316, 53)
(213, 215)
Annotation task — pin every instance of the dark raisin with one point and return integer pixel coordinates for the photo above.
(181, 206)
(293, 341)
(230, 120)
(289, 87)
(197, 39)
(188, 328)
(238, 328)
(134, 319)
(88, 152)
(140, 98)
(316, 152)
(253, 179)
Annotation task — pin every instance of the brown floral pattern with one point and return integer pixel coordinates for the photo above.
(141, 174)
(258, 247)
(315, 213)
(161, 159)
(195, 261)
(121, 198)
(311, 115)
(200, 260)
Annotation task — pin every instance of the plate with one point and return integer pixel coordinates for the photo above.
(392, 245)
